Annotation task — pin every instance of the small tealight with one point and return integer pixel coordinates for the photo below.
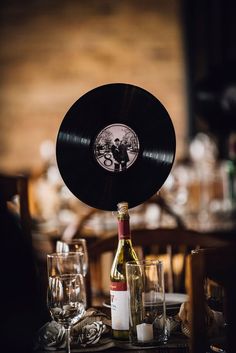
(144, 332)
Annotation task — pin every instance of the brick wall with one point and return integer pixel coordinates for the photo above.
(52, 52)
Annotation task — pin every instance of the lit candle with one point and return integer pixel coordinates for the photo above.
(144, 332)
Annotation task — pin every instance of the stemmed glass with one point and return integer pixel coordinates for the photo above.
(75, 245)
(66, 293)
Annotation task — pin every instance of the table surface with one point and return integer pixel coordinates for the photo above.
(173, 346)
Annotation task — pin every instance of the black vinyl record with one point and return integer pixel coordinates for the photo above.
(116, 143)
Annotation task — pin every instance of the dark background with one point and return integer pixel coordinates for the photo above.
(210, 44)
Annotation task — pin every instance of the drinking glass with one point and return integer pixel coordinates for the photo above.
(75, 245)
(66, 293)
(146, 297)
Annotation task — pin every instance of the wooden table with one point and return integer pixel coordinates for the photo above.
(170, 347)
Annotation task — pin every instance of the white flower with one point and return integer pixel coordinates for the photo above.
(91, 333)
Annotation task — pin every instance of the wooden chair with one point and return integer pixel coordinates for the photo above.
(157, 200)
(218, 264)
(155, 241)
(17, 185)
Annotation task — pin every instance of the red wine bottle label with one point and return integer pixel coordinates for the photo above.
(119, 306)
(123, 229)
(118, 286)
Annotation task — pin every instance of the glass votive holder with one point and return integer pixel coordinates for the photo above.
(146, 295)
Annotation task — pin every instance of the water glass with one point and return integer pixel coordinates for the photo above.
(147, 311)
(75, 245)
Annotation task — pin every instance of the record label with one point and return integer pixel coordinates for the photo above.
(116, 143)
(116, 148)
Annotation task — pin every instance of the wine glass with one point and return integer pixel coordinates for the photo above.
(75, 245)
(66, 293)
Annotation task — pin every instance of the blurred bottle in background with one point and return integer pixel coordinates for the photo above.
(198, 187)
(231, 172)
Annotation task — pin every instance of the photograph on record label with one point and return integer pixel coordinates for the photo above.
(116, 148)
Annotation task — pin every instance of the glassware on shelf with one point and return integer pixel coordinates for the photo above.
(231, 172)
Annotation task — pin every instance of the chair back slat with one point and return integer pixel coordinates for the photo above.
(167, 241)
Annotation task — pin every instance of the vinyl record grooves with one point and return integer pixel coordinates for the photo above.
(116, 143)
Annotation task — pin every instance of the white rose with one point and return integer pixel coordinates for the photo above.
(91, 333)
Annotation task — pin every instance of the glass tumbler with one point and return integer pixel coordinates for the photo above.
(147, 310)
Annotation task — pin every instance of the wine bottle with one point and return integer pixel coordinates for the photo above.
(118, 289)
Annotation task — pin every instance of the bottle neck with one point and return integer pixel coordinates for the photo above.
(123, 229)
